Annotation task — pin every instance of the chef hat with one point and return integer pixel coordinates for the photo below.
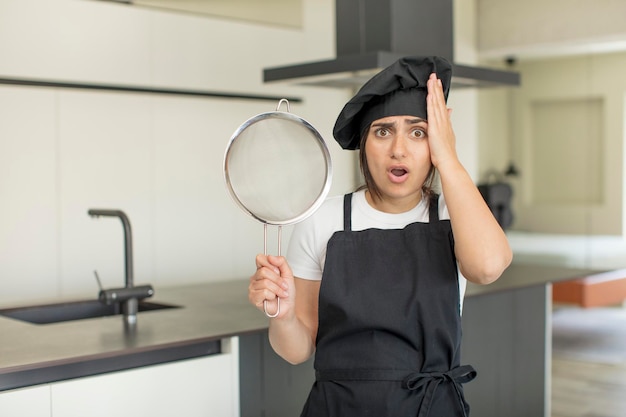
(399, 89)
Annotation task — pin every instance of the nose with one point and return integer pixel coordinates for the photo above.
(398, 147)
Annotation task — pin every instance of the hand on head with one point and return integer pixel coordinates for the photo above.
(441, 136)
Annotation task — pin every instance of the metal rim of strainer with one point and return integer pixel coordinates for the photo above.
(313, 133)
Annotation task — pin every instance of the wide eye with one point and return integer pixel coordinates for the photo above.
(382, 132)
(418, 133)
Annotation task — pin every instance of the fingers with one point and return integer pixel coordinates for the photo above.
(440, 133)
(436, 101)
(281, 263)
(269, 281)
(263, 261)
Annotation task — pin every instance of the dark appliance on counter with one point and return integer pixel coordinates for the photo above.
(498, 196)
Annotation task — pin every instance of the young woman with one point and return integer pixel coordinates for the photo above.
(375, 279)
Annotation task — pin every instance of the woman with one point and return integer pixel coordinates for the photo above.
(375, 279)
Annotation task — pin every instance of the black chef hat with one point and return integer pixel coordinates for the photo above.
(399, 89)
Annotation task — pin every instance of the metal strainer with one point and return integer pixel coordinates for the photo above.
(277, 168)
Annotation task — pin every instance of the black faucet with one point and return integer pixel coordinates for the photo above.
(130, 295)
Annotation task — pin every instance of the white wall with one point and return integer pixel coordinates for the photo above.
(508, 134)
(573, 233)
(156, 157)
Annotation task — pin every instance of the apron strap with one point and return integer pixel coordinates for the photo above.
(433, 208)
(347, 212)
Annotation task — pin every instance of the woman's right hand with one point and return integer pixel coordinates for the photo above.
(273, 279)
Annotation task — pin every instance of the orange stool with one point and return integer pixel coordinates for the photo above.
(598, 290)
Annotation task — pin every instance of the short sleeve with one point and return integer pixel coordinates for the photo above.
(302, 252)
(306, 252)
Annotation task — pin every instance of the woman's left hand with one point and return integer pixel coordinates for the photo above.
(441, 138)
(480, 245)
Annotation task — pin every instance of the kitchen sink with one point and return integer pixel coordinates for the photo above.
(74, 310)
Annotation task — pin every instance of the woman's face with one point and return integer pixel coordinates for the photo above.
(398, 158)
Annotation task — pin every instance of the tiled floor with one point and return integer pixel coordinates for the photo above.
(585, 389)
(589, 363)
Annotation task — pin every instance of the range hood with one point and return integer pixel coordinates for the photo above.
(372, 34)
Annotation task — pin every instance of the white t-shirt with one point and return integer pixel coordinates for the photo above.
(307, 246)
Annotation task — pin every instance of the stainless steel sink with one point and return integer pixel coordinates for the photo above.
(75, 310)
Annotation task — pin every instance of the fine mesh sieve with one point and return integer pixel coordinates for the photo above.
(277, 169)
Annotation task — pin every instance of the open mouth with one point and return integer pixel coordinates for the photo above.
(398, 172)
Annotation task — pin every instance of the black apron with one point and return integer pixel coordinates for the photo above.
(388, 341)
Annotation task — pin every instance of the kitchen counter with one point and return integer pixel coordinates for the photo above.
(527, 275)
(32, 354)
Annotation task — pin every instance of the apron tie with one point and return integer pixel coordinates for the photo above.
(431, 381)
(412, 382)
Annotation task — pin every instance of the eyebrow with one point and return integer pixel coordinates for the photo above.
(407, 121)
(385, 125)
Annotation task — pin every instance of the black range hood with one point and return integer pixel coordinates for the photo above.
(372, 34)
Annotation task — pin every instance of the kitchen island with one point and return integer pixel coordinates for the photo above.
(506, 338)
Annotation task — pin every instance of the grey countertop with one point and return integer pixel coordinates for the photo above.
(32, 354)
(526, 275)
(38, 353)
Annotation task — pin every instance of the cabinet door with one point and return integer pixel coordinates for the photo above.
(269, 386)
(506, 339)
(205, 386)
(32, 402)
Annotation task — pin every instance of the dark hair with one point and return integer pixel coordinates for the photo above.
(427, 187)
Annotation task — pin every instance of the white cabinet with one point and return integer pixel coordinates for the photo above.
(204, 386)
(31, 402)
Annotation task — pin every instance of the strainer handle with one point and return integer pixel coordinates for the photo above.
(280, 232)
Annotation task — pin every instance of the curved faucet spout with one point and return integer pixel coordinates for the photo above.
(130, 304)
(128, 240)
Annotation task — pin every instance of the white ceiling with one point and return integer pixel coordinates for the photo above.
(549, 28)
(275, 12)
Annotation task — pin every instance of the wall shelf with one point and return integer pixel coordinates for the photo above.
(138, 89)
